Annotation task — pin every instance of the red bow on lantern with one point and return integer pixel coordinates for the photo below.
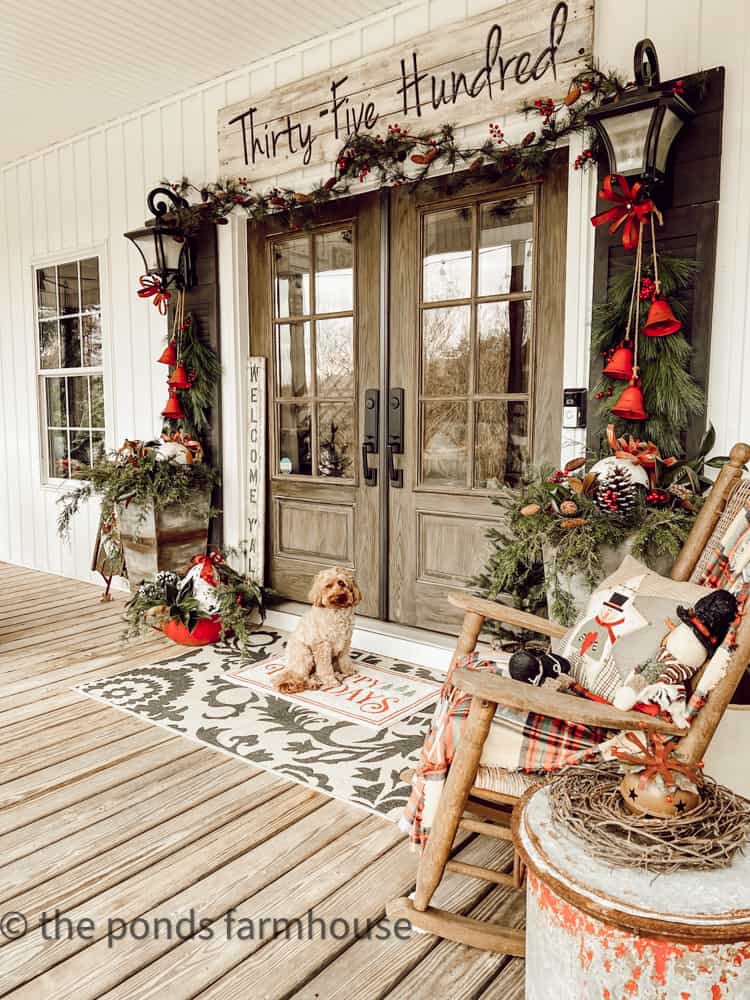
(644, 453)
(151, 287)
(631, 209)
(207, 562)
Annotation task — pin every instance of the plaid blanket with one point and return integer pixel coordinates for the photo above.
(535, 744)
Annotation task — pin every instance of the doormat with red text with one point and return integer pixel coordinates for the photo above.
(375, 696)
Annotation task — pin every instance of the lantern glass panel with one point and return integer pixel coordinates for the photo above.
(627, 133)
(670, 126)
(172, 251)
(144, 241)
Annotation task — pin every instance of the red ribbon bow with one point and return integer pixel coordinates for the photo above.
(207, 562)
(151, 286)
(644, 453)
(631, 209)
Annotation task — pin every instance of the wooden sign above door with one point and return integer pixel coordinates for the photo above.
(478, 70)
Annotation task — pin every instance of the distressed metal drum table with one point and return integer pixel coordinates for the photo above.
(594, 932)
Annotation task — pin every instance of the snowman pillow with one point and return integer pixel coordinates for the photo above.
(642, 637)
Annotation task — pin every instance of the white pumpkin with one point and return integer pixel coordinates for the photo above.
(637, 473)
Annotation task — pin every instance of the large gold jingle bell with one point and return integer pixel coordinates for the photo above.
(648, 799)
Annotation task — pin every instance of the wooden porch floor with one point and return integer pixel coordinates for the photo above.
(104, 817)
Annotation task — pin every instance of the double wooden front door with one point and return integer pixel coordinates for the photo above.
(415, 348)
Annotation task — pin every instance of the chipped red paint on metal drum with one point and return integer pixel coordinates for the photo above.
(594, 932)
(586, 959)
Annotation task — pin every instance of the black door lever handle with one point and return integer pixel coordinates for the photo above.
(371, 432)
(370, 475)
(395, 438)
(395, 475)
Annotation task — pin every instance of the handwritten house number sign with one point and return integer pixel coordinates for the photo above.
(474, 72)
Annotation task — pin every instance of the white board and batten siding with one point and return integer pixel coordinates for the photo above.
(82, 194)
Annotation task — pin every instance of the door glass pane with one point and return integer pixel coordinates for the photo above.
(444, 443)
(89, 279)
(46, 291)
(446, 266)
(91, 329)
(67, 279)
(70, 342)
(49, 346)
(445, 351)
(336, 440)
(78, 402)
(292, 277)
(58, 454)
(56, 411)
(334, 349)
(506, 235)
(97, 446)
(293, 359)
(295, 447)
(500, 443)
(503, 332)
(334, 272)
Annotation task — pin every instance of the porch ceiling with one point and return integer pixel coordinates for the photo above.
(67, 67)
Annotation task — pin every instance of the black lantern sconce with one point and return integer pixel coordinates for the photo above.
(162, 244)
(638, 129)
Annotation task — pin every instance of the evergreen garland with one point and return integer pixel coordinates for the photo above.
(204, 369)
(672, 396)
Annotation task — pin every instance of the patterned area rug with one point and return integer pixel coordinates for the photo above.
(193, 695)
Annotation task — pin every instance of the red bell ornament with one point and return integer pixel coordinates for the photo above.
(173, 410)
(661, 321)
(630, 405)
(169, 355)
(620, 365)
(179, 378)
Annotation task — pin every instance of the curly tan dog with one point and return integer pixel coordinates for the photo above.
(317, 653)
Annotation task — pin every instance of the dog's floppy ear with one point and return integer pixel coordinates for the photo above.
(316, 590)
(356, 592)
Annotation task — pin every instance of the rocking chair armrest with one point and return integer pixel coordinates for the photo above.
(555, 704)
(511, 616)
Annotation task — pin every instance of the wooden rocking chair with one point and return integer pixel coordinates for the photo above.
(460, 794)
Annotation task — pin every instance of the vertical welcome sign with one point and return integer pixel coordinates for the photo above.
(476, 71)
(256, 465)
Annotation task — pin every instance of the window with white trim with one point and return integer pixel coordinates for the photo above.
(69, 365)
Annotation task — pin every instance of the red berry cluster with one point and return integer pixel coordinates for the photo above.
(496, 133)
(648, 289)
(364, 171)
(586, 86)
(610, 499)
(557, 477)
(582, 158)
(658, 498)
(396, 130)
(546, 107)
(607, 392)
(679, 87)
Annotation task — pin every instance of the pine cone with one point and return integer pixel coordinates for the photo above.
(617, 493)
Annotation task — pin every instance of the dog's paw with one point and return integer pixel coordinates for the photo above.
(345, 670)
(314, 683)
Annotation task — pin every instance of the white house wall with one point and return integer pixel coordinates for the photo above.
(86, 192)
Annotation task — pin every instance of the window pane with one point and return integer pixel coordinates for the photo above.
(67, 281)
(89, 278)
(334, 272)
(97, 446)
(49, 345)
(506, 247)
(334, 348)
(504, 333)
(444, 447)
(70, 342)
(56, 409)
(445, 351)
(336, 440)
(446, 267)
(91, 327)
(292, 277)
(78, 401)
(46, 291)
(58, 454)
(500, 443)
(96, 383)
(80, 450)
(293, 359)
(295, 448)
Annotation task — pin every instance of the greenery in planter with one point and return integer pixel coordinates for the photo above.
(142, 478)
(236, 597)
(562, 512)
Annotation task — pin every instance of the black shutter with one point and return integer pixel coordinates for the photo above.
(689, 230)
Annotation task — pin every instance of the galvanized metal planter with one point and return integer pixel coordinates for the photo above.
(160, 540)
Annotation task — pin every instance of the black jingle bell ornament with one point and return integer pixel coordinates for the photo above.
(535, 666)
